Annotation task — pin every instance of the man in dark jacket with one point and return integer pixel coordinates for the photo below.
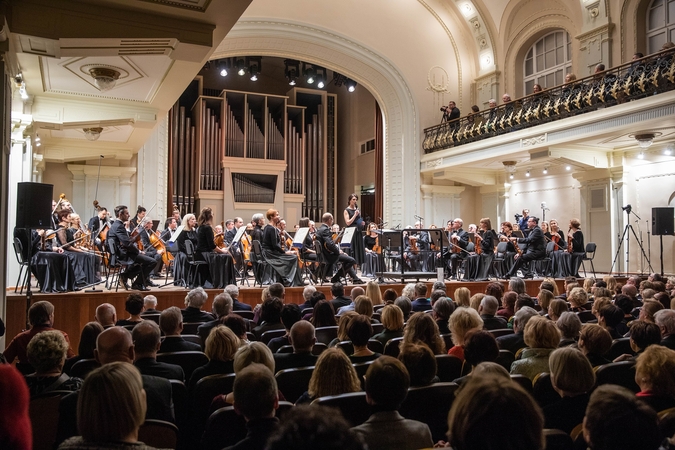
(145, 336)
(516, 341)
(487, 310)
(333, 254)
(536, 249)
(171, 323)
(302, 339)
(128, 251)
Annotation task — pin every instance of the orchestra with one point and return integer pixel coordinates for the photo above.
(544, 249)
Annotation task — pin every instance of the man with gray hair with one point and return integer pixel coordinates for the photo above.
(516, 341)
(258, 220)
(307, 296)
(149, 305)
(356, 291)
(194, 302)
(106, 315)
(665, 319)
(233, 291)
(171, 323)
(145, 337)
(221, 307)
(487, 310)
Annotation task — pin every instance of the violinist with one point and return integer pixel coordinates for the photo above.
(176, 214)
(307, 252)
(373, 248)
(258, 220)
(140, 214)
(333, 254)
(170, 227)
(478, 264)
(547, 232)
(151, 251)
(559, 261)
(456, 252)
(219, 272)
(206, 235)
(536, 249)
(283, 262)
(235, 247)
(575, 238)
(97, 224)
(140, 271)
(511, 249)
(77, 233)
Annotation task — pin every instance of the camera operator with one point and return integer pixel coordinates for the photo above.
(522, 223)
(450, 112)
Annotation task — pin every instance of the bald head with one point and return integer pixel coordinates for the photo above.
(106, 315)
(302, 337)
(114, 345)
(356, 291)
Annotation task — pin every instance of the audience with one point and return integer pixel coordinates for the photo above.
(302, 338)
(364, 307)
(237, 324)
(487, 310)
(47, 353)
(15, 425)
(570, 327)
(442, 310)
(541, 337)
(106, 315)
(405, 305)
(573, 379)
(373, 292)
(149, 305)
(134, 305)
(642, 335)
(85, 349)
(221, 346)
(665, 319)
(353, 295)
(461, 322)
(270, 317)
(221, 307)
(462, 297)
(290, 315)
(387, 383)
(194, 302)
(323, 315)
(146, 344)
(343, 325)
(339, 300)
(556, 308)
(171, 324)
(392, 322)
(421, 302)
(233, 291)
(359, 331)
(578, 299)
(333, 374)
(422, 329)
(509, 302)
(516, 341)
(420, 363)
(480, 347)
(655, 375)
(609, 317)
(595, 342)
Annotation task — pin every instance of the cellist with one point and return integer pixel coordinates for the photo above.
(151, 251)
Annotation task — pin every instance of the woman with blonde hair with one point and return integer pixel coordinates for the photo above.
(474, 301)
(611, 283)
(409, 291)
(556, 308)
(364, 306)
(461, 322)
(373, 293)
(545, 297)
(655, 375)
(422, 329)
(221, 346)
(555, 286)
(110, 409)
(462, 297)
(333, 374)
(541, 337)
(392, 321)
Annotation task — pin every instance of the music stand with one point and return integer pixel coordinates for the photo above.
(392, 238)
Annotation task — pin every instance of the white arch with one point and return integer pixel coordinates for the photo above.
(371, 70)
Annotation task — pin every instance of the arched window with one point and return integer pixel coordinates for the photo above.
(548, 61)
(660, 24)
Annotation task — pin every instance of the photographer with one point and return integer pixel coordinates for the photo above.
(450, 112)
(522, 221)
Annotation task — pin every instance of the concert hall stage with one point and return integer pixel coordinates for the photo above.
(74, 309)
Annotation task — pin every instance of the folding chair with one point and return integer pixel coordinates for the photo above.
(590, 248)
(189, 361)
(18, 251)
(294, 382)
(193, 262)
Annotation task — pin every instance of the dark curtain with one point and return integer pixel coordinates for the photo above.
(379, 164)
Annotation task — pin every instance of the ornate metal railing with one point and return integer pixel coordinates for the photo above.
(648, 76)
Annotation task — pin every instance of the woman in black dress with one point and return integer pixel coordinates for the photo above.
(83, 262)
(373, 252)
(352, 216)
(220, 265)
(189, 233)
(575, 238)
(507, 264)
(478, 265)
(558, 261)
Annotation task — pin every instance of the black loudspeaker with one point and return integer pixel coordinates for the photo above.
(663, 221)
(34, 205)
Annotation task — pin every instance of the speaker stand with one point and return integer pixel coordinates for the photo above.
(661, 242)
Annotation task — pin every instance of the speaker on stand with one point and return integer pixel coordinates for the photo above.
(33, 211)
(663, 223)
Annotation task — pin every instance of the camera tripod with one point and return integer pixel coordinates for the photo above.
(626, 237)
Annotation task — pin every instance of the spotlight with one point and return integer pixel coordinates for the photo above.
(527, 174)
(309, 72)
(293, 81)
(37, 138)
(320, 77)
(222, 68)
(254, 64)
(320, 84)
(291, 71)
(241, 67)
(22, 91)
(351, 85)
(641, 155)
(668, 151)
(545, 170)
(568, 167)
(511, 176)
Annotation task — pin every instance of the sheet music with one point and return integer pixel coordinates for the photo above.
(299, 238)
(179, 230)
(347, 237)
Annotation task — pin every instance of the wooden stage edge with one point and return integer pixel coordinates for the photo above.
(74, 309)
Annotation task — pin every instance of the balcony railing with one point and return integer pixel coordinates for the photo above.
(645, 77)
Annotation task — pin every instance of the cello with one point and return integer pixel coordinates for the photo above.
(159, 245)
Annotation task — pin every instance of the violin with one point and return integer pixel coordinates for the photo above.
(479, 248)
(414, 249)
(455, 248)
(246, 247)
(555, 239)
(570, 239)
(219, 240)
(376, 248)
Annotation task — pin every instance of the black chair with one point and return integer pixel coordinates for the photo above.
(586, 316)
(153, 317)
(545, 262)
(285, 349)
(260, 265)
(497, 266)
(116, 266)
(667, 422)
(190, 328)
(44, 417)
(319, 348)
(619, 347)
(250, 336)
(430, 405)
(81, 368)
(294, 382)
(158, 434)
(448, 367)
(523, 381)
(323, 264)
(202, 395)
(621, 373)
(326, 334)
(353, 406)
(195, 338)
(447, 338)
(558, 440)
(500, 332)
(590, 249)
(361, 369)
(225, 427)
(193, 262)
(189, 361)
(505, 359)
(375, 346)
(393, 347)
(181, 407)
(267, 336)
(245, 314)
(18, 251)
(542, 390)
(377, 328)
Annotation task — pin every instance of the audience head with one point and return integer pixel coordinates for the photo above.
(302, 337)
(343, 324)
(629, 290)
(420, 363)
(505, 407)
(610, 316)
(255, 352)
(111, 405)
(480, 346)
(290, 314)
(443, 308)
(405, 305)
(235, 323)
(439, 285)
(643, 334)
(146, 336)
(420, 290)
(222, 305)
(594, 340)
(613, 417)
(408, 291)
(337, 289)
(488, 368)
(221, 344)
(277, 290)
(47, 351)
(324, 314)
(578, 297)
(665, 319)
(363, 306)
(171, 321)
(389, 296)
(435, 295)
(15, 424)
(509, 300)
(569, 325)
(387, 383)
(359, 330)
(255, 392)
(88, 340)
(571, 373)
(541, 333)
(462, 297)
(356, 292)
(114, 344)
(134, 304)
(495, 289)
(270, 311)
(317, 297)
(488, 305)
(392, 318)
(523, 301)
(474, 301)
(150, 302)
(521, 317)
(41, 314)
(517, 285)
(649, 308)
(556, 308)
(232, 290)
(307, 292)
(545, 298)
(306, 427)
(655, 371)
(423, 329)
(373, 292)
(461, 322)
(333, 374)
(196, 298)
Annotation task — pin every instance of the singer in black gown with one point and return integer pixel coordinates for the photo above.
(353, 219)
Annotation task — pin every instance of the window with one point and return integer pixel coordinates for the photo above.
(367, 146)
(548, 61)
(660, 24)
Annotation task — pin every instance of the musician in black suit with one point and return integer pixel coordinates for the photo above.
(457, 252)
(151, 251)
(333, 253)
(97, 223)
(536, 248)
(126, 249)
(258, 220)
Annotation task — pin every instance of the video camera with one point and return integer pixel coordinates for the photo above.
(518, 217)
